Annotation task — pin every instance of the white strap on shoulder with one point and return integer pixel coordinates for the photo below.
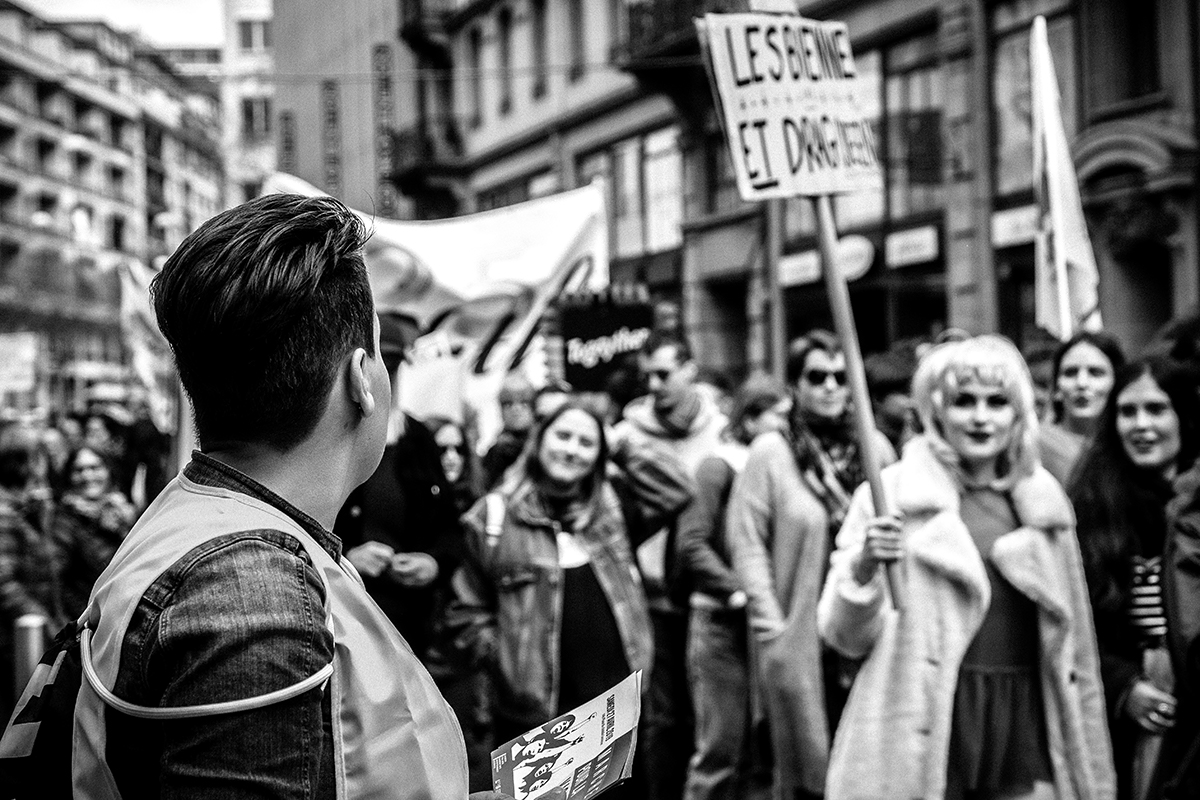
(493, 519)
(317, 679)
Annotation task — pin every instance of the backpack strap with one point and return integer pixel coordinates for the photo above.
(493, 517)
(317, 679)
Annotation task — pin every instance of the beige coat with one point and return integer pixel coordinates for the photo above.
(893, 740)
(777, 532)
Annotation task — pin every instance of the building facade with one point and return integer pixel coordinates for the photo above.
(247, 97)
(345, 83)
(949, 242)
(498, 101)
(104, 160)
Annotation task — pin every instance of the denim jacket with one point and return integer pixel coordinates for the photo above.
(507, 610)
(236, 617)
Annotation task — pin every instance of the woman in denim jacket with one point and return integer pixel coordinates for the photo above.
(549, 599)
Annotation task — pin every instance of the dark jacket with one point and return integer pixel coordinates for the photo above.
(508, 593)
(703, 549)
(409, 506)
(1179, 762)
(28, 560)
(87, 534)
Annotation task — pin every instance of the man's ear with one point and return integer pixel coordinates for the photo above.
(690, 371)
(360, 384)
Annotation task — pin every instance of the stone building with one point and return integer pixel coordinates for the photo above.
(105, 159)
(498, 101)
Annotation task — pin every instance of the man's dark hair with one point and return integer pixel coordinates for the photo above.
(660, 339)
(260, 305)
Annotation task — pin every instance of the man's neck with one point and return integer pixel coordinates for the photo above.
(309, 477)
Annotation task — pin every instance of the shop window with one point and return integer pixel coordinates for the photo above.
(1012, 110)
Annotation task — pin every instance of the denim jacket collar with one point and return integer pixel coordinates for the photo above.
(208, 471)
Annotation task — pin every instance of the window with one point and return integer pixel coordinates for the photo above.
(116, 233)
(505, 194)
(577, 42)
(628, 215)
(1013, 118)
(254, 34)
(116, 182)
(722, 194)
(538, 13)
(1121, 37)
(913, 100)
(475, 75)
(663, 166)
(504, 33)
(645, 176)
(256, 118)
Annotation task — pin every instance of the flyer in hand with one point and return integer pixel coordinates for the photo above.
(575, 756)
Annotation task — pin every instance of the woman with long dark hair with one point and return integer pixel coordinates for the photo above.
(1081, 380)
(986, 685)
(1120, 490)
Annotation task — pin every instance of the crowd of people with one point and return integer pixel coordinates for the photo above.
(1039, 639)
(70, 490)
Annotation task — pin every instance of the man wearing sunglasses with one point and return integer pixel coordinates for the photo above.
(684, 423)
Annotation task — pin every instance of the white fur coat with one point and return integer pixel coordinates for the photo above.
(894, 736)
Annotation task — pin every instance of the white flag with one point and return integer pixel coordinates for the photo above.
(1067, 280)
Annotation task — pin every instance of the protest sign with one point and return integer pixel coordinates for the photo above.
(574, 756)
(599, 333)
(790, 99)
(791, 102)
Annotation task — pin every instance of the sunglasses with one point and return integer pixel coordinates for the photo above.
(662, 374)
(818, 377)
(451, 448)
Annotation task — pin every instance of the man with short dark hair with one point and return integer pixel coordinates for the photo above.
(684, 423)
(229, 616)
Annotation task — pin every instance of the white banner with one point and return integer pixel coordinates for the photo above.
(792, 105)
(483, 282)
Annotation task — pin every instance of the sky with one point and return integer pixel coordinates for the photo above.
(167, 23)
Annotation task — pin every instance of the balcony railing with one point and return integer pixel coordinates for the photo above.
(423, 26)
(661, 27)
(423, 151)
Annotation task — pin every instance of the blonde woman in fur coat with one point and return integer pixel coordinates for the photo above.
(986, 685)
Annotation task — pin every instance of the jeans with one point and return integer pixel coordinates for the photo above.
(667, 722)
(722, 767)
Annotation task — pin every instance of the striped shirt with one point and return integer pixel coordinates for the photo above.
(1146, 601)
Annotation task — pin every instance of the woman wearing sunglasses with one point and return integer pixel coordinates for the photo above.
(784, 509)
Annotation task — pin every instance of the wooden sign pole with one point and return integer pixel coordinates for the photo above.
(843, 321)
